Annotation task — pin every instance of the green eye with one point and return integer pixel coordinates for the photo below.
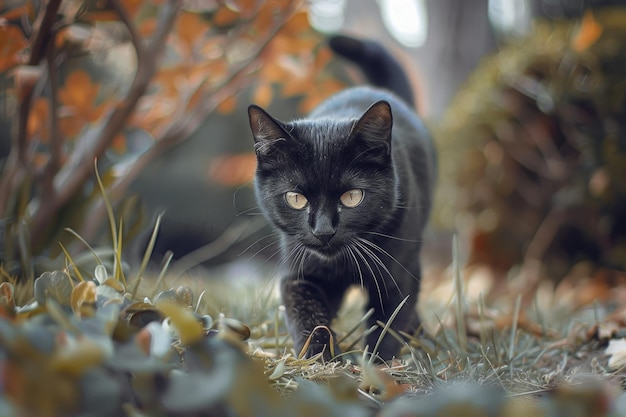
(296, 200)
(352, 198)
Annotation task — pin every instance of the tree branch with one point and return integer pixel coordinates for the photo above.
(181, 129)
(80, 167)
(17, 166)
(46, 176)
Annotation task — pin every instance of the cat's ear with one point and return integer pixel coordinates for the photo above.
(373, 129)
(268, 132)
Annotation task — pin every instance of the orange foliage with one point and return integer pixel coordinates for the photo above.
(228, 105)
(296, 60)
(119, 143)
(233, 170)
(78, 97)
(589, 32)
(132, 6)
(191, 28)
(12, 44)
(225, 16)
(263, 95)
(39, 119)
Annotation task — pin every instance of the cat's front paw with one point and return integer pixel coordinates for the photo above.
(321, 341)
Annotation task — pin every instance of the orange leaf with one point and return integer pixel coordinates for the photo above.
(147, 27)
(40, 160)
(225, 16)
(119, 143)
(263, 95)
(191, 27)
(38, 122)
(588, 33)
(18, 13)
(233, 170)
(227, 106)
(265, 19)
(12, 42)
(132, 6)
(78, 90)
(100, 16)
(70, 125)
(297, 24)
(195, 99)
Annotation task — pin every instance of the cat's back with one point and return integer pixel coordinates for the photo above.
(353, 102)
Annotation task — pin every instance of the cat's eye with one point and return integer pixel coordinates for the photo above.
(296, 200)
(352, 198)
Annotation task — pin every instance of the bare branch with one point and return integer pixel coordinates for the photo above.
(81, 166)
(53, 165)
(186, 125)
(17, 166)
(135, 37)
(43, 28)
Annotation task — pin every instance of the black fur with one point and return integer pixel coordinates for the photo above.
(362, 138)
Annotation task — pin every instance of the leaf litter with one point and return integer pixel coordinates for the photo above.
(74, 345)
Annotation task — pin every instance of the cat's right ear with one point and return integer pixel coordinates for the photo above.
(267, 131)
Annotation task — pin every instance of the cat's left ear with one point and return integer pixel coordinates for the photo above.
(267, 131)
(374, 128)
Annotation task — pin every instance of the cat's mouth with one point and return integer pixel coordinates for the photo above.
(325, 251)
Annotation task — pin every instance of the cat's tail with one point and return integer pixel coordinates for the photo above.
(378, 65)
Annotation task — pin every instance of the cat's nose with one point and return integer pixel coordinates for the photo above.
(323, 229)
(324, 237)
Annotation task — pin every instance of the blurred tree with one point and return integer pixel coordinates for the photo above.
(120, 81)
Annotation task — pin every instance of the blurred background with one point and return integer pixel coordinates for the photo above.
(526, 100)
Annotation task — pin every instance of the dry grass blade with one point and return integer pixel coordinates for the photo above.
(460, 295)
(307, 343)
(150, 247)
(87, 245)
(386, 328)
(516, 313)
(72, 264)
(112, 223)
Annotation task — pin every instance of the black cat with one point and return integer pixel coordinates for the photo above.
(349, 189)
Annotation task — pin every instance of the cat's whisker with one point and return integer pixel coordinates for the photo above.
(356, 263)
(393, 237)
(383, 251)
(378, 262)
(274, 234)
(302, 254)
(288, 258)
(374, 277)
(249, 211)
(377, 258)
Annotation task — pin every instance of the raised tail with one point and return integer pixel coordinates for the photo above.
(378, 65)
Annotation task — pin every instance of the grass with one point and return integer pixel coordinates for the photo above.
(499, 344)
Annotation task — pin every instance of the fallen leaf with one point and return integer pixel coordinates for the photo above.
(617, 352)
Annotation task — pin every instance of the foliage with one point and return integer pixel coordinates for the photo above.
(119, 82)
(534, 144)
(91, 346)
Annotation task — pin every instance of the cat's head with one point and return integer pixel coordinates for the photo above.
(325, 182)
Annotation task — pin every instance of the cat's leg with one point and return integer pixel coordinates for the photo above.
(309, 312)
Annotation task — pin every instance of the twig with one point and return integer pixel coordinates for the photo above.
(17, 166)
(187, 124)
(80, 167)
(53, 165)
(135, 37)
